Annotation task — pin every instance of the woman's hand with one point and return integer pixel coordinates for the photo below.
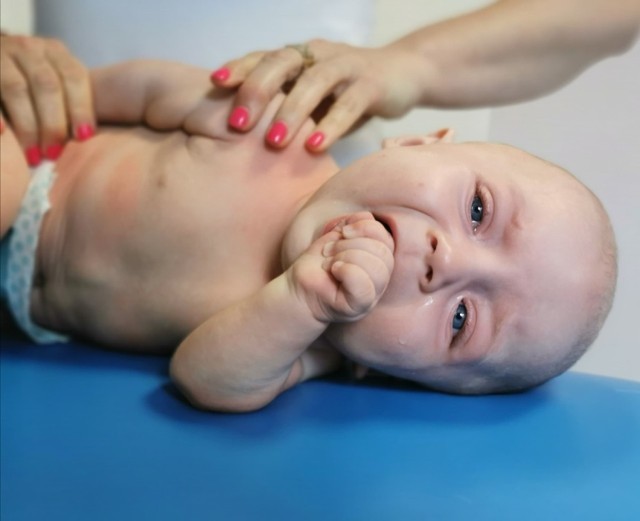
(46, 95)
(340, 85)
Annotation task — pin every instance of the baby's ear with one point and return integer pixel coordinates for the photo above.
(444, 135)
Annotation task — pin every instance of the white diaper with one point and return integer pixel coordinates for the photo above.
(18, 251)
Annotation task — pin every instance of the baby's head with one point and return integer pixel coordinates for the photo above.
(505, 265)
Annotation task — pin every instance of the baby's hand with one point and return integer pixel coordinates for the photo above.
(344, 273)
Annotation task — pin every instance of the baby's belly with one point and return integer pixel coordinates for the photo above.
(130, 254)
(89, 281)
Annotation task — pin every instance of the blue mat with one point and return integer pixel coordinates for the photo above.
(88, 434)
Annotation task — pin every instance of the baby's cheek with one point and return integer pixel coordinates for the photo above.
(382, 339)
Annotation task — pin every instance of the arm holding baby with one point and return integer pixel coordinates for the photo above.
(506, 52)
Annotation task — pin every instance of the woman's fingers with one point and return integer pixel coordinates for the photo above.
(311, 90)
(338, 84)
(76, 89)
(16, 101)
(348, 110)
(46, 94)
(261, 76)
(234, 72)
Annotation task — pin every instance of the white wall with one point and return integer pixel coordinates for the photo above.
(16, 16)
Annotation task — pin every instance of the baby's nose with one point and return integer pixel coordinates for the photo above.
(449, 262)
(432, 245)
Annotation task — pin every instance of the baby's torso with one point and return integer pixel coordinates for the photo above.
(149, 234)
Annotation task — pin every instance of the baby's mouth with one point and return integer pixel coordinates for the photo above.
(385, 224)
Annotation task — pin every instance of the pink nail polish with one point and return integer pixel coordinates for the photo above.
(277, 133)
(33, 156)
(53, 151)
(239, 118)
(221, 74)
(315, 140)
(84, 132)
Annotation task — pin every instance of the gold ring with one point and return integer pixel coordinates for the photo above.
(308, 59)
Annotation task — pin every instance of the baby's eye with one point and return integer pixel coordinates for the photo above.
(477, 210)
(459, 318)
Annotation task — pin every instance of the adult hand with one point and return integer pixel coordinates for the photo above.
(355, 83)
(46, 95)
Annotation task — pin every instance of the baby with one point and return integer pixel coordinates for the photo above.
(469, 268)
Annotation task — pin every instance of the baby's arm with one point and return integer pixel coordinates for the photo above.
(160, 94)
(244, 356)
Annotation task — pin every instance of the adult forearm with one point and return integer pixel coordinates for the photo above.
(515, 49)
(245, 355)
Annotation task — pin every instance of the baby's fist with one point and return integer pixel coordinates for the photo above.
(345, 272)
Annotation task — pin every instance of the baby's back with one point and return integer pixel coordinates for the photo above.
(151, 233)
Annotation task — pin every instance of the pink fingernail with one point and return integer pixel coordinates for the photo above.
(221, 74)
(84, 132)
(277, 133)
(316, 139)
(33, 156)
(239, 118)
(53, 151)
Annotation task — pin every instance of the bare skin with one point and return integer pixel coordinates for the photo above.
(153, 233)
(261, 269)
(134, 207)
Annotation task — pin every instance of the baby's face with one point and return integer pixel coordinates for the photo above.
(491, 257)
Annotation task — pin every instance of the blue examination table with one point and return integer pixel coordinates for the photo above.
(90, 435)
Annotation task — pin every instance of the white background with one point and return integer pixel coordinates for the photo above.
(589, 127)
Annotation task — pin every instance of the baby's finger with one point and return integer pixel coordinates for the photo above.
(77, 90)
(265, 81)
(371, 228)
(340, 250)
(317, 247)
(347, 110)
(357, 290)
(360, 216)
(362, 277)
(16, 99)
